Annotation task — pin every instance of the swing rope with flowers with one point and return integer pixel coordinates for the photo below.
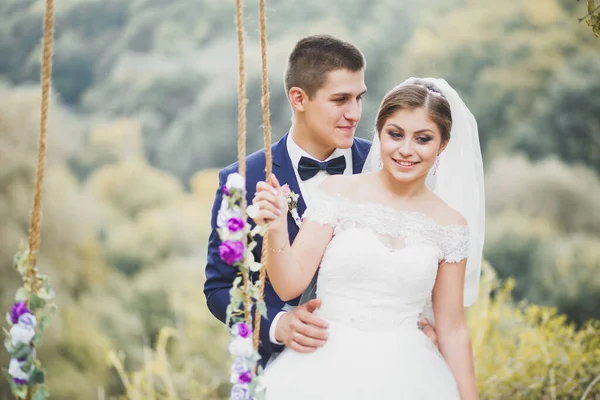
(35, 299)
(237, 237)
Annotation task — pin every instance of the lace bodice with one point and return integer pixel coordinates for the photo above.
(381, 264)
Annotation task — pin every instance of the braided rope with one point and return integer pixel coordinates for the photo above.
(268, 155)
(242, 139)
(36, 216)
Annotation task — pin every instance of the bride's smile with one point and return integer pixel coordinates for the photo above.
(410, 143)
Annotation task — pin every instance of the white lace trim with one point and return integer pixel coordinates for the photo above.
(413, 227)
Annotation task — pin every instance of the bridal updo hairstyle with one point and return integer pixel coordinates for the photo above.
(416, 95)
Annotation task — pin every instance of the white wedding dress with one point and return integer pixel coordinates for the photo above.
(375, 277)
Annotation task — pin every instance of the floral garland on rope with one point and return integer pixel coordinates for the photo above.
(27, 320)
(28, 317)
(237, 243)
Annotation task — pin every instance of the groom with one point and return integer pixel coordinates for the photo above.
(324, 82)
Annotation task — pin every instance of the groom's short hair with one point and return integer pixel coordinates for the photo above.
(314, 57)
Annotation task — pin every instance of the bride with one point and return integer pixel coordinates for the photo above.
(407, 231)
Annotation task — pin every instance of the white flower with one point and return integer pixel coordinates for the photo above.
(224, 204)
(240, 392)
(257, 230)
(20, 333)
(238, 367)
(28, 320)
(235, 181)
(252, 211)
(249, 257)
(234, 236)
(226, 214)
(255, 266)
(241, 347)
(14, 369)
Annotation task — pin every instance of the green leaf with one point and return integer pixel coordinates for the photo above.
(37, 377)
(8, 345)
(44, 321)
(21, 351)
(36, 303)
(8, 319)
(43, 294)
(51, 292)
(262, 309)
(37, 341)
(20, 391)
(40, 394)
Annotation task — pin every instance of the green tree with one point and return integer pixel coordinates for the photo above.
(566, 122)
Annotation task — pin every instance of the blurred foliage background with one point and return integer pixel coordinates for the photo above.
(144, 112)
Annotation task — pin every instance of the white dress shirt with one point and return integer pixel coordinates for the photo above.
(307, 189)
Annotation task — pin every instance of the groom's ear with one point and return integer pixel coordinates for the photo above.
(297, 98)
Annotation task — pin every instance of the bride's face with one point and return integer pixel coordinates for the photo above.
(410, 143)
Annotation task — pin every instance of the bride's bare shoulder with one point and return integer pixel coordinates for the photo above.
(446, 215)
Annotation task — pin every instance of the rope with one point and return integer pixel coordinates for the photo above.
(36, 216)
(242, 139)
(268, 155)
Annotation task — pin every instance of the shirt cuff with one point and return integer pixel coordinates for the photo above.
(273, 328)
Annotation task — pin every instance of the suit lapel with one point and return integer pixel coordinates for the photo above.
(284, 171)
(360, 150)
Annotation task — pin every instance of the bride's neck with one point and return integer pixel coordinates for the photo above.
(402, 189)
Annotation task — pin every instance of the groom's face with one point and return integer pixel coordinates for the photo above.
(333, 113)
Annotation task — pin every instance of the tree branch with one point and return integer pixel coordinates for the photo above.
(589, 14)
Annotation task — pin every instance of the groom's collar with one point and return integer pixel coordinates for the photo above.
(359, 151)
(296, 152)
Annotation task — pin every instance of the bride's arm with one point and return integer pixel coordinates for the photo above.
(451, 327)
(290, 268)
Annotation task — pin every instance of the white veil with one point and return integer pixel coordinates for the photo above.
(459, 178)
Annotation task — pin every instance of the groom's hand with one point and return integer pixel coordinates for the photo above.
(301, 330)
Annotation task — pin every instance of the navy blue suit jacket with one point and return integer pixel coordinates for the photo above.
(220, 276)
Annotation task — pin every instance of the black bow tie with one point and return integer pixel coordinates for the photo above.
(307, 167)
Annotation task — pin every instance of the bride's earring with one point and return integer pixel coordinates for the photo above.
(436, 165)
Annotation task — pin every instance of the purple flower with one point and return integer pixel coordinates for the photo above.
(242, 329)
(246, 377)
(231, 252)
(18, 309)
(20, 381)
(225, 190)
(240, 392)
(235, 224)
